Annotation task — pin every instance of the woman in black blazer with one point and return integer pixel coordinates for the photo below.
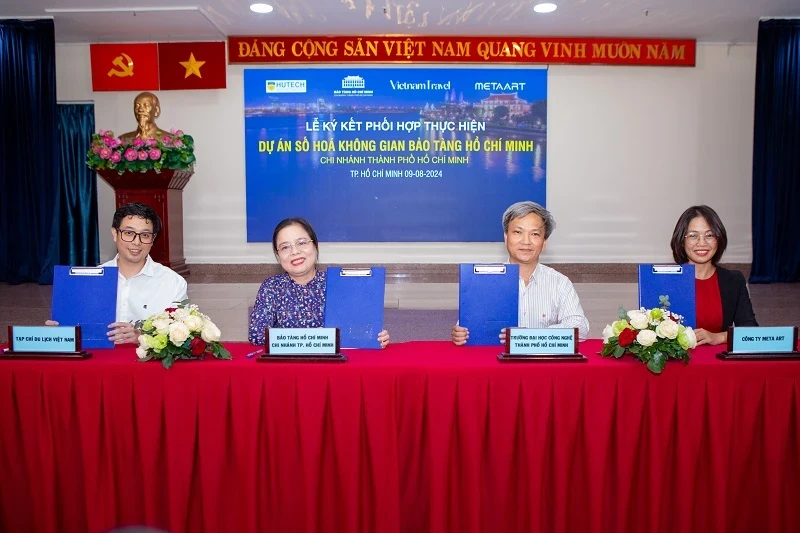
(722, 300)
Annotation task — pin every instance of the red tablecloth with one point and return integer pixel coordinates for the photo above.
(422, 436)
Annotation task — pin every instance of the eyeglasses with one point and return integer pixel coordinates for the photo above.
(694, 237)
(302, 245)
(129, 236)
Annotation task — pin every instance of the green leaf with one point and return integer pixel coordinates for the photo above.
(222, 352)
(619, 351)
(657, 363)
(622, 313)
(167, 361)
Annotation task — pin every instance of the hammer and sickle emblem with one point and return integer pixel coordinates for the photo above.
(125, 66)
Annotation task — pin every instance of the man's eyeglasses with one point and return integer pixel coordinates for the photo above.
(694, 237)
(302, 245)
(145, 237)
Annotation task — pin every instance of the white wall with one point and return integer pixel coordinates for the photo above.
(629, 148)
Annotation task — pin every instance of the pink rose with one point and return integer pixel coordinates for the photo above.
(115, 143)
(178, 143)
(107, 140)
(151, 142)
(105, 152)
(103, 133)
(172, 131)
(138, 142)
(115, 157)
(179, 133)
(130, 154)
(155, 154)
(95, 149)
(166, 139)
(142, 155)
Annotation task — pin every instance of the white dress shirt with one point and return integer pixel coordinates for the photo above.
(549, 301)
(153, 289)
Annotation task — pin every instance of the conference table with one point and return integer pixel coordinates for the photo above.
(419, 437)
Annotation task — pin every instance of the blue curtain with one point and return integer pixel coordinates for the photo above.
(78, 239)
(776, 154)
(28, 151)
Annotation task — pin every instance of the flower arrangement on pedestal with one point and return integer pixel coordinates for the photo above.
(174, 151)
(180, 332)
(651, 335)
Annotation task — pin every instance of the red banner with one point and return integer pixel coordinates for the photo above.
(198, 65)
(124, 67)
(529, 50)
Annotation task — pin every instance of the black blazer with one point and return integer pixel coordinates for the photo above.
(736, 307)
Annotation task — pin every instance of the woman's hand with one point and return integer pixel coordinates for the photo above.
(706, 337)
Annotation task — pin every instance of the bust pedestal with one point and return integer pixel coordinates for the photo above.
(163, 191)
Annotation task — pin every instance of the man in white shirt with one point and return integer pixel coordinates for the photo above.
(547, 298)
(144, 287)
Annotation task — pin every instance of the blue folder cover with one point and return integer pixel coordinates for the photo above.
(488, 301)
(86, 296)
(354, 304)
(675, 281)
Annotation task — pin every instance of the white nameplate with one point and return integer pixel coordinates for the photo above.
(302, 341)
(541, 341)
(762, 339)
(44, 339)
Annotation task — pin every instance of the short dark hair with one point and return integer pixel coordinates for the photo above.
(137, 209)
(682, 226)
(294, 221)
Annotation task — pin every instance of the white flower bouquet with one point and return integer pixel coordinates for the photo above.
(651, 335)
(180, 332)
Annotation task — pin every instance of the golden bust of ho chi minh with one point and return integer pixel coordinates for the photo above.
(146, 109)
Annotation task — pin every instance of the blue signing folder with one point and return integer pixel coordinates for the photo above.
(675, 281)
(354, 304)
(488, 301)
(86, 296)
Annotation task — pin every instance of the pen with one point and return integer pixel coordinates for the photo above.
(253, 354)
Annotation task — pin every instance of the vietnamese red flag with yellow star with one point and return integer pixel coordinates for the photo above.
(124, 67)
(199, 65)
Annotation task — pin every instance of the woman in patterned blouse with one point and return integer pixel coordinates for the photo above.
(295, 298)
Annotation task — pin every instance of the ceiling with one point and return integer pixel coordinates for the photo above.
(726, 21)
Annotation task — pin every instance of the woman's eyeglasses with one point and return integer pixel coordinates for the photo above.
(694, 237)
(302, 245)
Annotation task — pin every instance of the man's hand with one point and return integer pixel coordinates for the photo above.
(123, 332)
(459, 335)
(383, 338)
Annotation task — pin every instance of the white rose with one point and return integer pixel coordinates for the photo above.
(180, 314)
(607, 334)
(211, 332)
(141, 353)
(178, 333)
(646, 337)
(667, 329)
(639, 319)
(143, 341)
(161, 325)
(194, 323)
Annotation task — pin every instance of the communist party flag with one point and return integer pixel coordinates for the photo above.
(124, 67)
(198, 65)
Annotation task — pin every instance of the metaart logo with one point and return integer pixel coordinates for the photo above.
(353, 82)
(286, 86)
